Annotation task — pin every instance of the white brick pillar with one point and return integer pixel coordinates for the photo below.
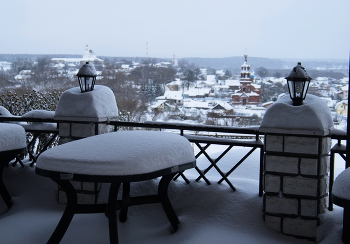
(81, 115)
(296, 165)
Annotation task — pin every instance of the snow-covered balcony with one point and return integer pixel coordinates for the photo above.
(208, 212)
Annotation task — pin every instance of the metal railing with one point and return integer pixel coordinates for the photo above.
(198, 134)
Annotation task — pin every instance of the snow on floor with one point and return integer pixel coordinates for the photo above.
(208, 214)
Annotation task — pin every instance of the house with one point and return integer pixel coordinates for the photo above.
(222, 107)
(196, 104)
(232, 84)
(23, 75)
(162, 106)
(197, 93)
(4, 65)
(174, 85)
(341, 108)
(172, 97)
(345, 91)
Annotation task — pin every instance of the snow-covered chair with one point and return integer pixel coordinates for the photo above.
(37, 129)
(341, 197)
(12, 143)
(116, 157)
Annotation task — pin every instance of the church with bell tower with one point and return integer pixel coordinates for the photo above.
(249, 92)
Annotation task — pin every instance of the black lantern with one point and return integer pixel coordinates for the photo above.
(87, 77)
(298, 83)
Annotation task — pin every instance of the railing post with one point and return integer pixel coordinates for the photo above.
(297, 145)
(81, 115)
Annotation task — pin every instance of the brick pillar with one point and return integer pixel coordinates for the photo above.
(296, 166)
(86, 113)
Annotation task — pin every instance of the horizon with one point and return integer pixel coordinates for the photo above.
(142, 57)
(292, 29)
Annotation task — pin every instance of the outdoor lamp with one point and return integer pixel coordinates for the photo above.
(87, 77)
(298, 83)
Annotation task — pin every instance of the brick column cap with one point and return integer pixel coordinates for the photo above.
(96, 105)
(313, 117)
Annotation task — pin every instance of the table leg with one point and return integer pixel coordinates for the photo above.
(112, 212)
(163, 194)
(68, 214)
(3, 191)
(125, 202)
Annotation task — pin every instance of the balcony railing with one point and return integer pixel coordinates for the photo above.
(203, 136)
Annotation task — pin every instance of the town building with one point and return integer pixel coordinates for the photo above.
(88, 56)
(249, 93)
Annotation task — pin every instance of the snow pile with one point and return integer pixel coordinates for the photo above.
(12, 137)
(119, 153)
(4, 112)
(312, 117)
(96, 105)
(39, 114)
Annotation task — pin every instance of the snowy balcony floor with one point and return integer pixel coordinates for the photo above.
(208, 214)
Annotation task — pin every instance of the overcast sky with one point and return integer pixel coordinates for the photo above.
(295, 29)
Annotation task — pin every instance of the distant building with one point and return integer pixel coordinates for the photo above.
(23, 75)
(162, 106)
(341, 108)
(172, 97)
(222, 107)
(175, 62)
(249, 92)
(197, 93)
(88, 56)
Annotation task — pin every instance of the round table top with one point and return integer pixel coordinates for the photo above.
(341, 189)
(122, 153)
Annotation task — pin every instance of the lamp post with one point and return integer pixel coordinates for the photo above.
(87, 77)
(298, 83)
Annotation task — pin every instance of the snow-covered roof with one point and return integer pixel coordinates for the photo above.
(197, 92)
(174, 95)
(211, 78)
(232, 82)
(177, 81)
(225, 105)
(158, 103)
(196, 104)
(341, 102)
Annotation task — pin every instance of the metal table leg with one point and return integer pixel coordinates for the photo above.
(68, 214)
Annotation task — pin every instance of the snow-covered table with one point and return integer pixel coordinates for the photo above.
(117, 157)
(341, 197)
(12, 143)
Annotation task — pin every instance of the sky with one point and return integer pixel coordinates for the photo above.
(293, 29)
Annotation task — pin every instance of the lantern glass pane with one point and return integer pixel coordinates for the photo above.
(306, 86)
(299, 87)
(88, 83)
(291, 88)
